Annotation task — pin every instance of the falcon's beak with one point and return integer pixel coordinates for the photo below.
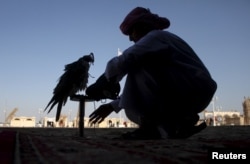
(92, 58)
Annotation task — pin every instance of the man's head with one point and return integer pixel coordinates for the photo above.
(140, 21)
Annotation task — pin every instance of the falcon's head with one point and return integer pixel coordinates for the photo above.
(88, 58)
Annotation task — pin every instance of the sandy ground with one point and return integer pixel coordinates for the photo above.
(64, 145)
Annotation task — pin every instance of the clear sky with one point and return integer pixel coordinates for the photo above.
(38, 37)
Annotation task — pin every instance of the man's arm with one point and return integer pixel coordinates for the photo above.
(115, 105)
(119, 66)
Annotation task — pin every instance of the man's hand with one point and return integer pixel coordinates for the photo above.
(100, 113)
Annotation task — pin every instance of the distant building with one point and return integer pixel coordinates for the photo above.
(23, 122)
(246, 111)
(223, 118)
(51, 122)
(108, 123)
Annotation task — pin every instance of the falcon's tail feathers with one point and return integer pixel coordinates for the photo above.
(58, 112)
(52, 103)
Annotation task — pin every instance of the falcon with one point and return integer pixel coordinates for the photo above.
(73, 80)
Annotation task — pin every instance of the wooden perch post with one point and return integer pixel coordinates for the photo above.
(81, 99)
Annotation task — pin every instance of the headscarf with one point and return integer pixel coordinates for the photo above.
(143, 15)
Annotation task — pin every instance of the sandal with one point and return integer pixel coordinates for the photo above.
(186, 132)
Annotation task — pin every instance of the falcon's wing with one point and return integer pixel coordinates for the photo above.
(74, 79)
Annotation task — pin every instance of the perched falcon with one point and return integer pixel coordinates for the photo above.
(74, 79)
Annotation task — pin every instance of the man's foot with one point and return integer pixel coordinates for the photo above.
(187, 131)
(178, 130)
(184, 127)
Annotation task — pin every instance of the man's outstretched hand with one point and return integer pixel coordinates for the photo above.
(100, 113)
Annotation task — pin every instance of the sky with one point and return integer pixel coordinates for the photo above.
(39, 37)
